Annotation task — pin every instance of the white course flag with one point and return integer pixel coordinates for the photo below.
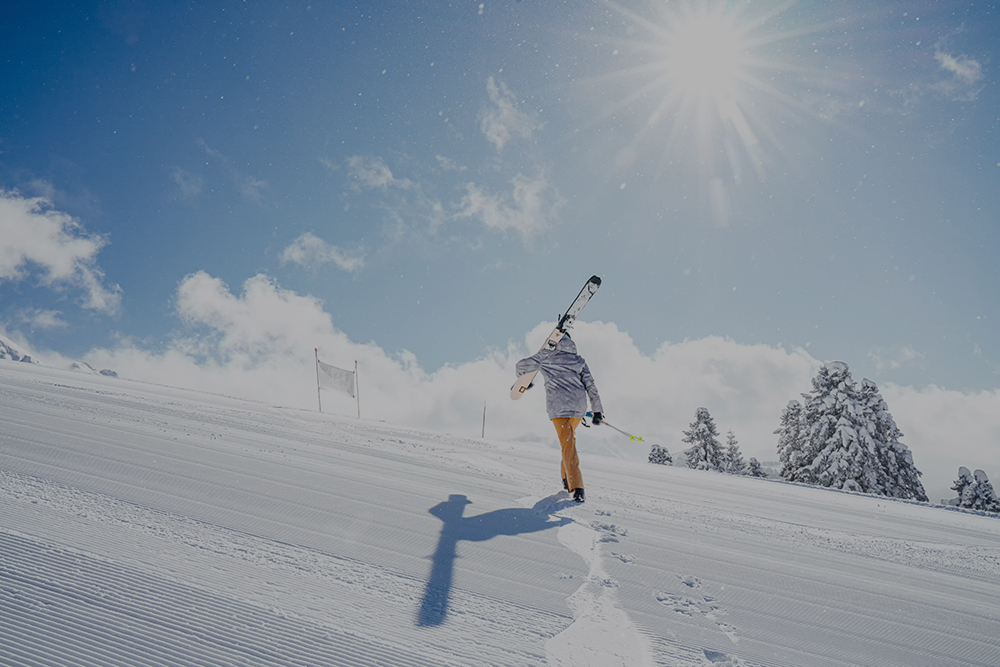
(331, 377)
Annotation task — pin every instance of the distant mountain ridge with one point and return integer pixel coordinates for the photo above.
(10, 352)
(84, 367)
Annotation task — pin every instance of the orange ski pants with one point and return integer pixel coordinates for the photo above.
(566, 430)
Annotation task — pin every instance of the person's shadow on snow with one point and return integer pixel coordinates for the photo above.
(434, 606)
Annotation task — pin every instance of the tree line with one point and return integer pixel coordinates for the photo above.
(840, 436)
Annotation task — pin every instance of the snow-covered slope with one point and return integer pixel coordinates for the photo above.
(145, 525)
(9, 351)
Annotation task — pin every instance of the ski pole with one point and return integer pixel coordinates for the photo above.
(605, 422)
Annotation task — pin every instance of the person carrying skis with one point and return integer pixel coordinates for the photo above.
(568, 384)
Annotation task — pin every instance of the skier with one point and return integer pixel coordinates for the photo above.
(568, 383)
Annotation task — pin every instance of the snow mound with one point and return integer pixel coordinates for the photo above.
(835, 367)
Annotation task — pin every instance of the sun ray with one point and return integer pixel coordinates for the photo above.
(709, 81)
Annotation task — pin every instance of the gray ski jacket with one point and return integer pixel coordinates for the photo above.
(568, 381)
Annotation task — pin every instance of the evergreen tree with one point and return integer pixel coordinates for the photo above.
(844, 437)
(840, 451)
(985, 498)
(791, 440)
(734, 463)
(660, 455)
(975, 491)
(754, 469)
(705, 452)
(963, 486)
(900, 478)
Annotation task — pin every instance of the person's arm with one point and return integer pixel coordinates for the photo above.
(532, 363)
(591, 387)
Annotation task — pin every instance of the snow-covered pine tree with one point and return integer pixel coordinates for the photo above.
(839, 450)
(985, 497)
(754, 469)
(660, 455)
(705, 452)
(900, 478)
(734, 463)
(791, 440)
(975, 491)
(963, 486)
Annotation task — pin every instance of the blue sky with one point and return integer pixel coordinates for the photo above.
(438, 178)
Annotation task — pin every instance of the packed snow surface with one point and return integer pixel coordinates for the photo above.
(147, 525)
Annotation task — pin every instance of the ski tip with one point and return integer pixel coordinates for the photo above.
(596, 280)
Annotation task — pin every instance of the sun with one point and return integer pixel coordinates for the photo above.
(704, 56)
(702, 78)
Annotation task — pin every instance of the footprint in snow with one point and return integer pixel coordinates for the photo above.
(703, 607)
(717, 659)
(679, 603)
(609, 532)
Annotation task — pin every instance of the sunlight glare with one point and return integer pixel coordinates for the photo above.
(704, 56)
(709, 83)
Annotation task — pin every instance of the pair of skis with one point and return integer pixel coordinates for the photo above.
(565, 323)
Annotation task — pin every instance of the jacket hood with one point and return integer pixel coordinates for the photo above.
(566, 345)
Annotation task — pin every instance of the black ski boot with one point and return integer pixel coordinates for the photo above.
(578, 495)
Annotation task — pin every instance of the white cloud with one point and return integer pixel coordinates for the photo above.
(957, 77)
(528, 210)
(259, 345)
(965, 74)
(448, 164)
(263, 324)
(900, 358)
(503, 120)
(190, 185)
(372, 172)
(38, 318)
(947, 429)
(404, 202)
(249, 187)
(965, 69)
(37, 240)
(310, 251)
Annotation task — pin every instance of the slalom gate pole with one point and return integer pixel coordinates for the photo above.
(319, 395)
(605, 422)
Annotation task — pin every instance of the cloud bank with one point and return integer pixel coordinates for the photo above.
(258, 344)
(37, 241)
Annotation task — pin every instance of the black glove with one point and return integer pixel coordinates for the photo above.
(598, 418)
